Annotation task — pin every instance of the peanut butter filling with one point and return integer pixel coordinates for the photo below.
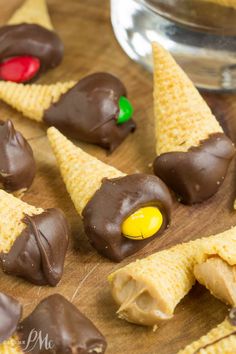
(219, 278)
(139, 302)
(142, 303)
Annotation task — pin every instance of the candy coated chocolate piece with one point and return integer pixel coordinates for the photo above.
(31, 40)
(17, 164)
(90, 110)
(10, 315)
(126, 110)
(19, 69)
(67, 330)
(38, 254)
(197, 174)
(117, 199)
(142, 224)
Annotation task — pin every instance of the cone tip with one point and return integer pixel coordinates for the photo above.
(52, 130)
(56, 138)
(5, 195)
(54, 134)
(157, 47)
(154, 45)
(158, 50)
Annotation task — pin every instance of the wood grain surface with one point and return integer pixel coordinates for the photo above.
(90, 46)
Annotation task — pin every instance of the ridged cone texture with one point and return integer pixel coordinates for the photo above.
(12, 212)
(170, 273)
(182, 117)
(32, 11)
(227, 3)
(222, 245)
(81, 172)
(224, 346)
(32, 100)
(11, 346)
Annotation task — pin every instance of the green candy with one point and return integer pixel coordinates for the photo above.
(126, 110)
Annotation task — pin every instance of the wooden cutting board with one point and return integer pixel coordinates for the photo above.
(90, 46)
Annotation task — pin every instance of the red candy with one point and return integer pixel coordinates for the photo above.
(19, 69)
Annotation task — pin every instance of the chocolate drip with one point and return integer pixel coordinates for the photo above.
(89, 111)
(67, 330)
(10, 315)
(17, 164)
(38, 254)
(197, 174)
(232, 321)
(117, 199)
(34, 40)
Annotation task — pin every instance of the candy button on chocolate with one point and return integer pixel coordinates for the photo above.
(19, 69)
(29, 40)
(142, 224)
(126, 110)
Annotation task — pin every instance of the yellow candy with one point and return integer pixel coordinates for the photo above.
(142, 224)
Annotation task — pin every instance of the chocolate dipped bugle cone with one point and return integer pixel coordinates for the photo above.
(193, 153)
(32, 11)
(67, 330)
(55, 326)
(220, 340)
(95, 109)
(17, 164)
(29, 46)
(148, 290)
(33, 241)
(105, 197)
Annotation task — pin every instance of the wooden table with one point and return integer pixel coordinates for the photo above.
(90, 46)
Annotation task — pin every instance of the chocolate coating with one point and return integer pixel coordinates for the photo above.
(38, 254)
(67, 329)
(34, 40)
(17, 164)
(117, 199)
(197, 174)
(89, 111)
(10, 315)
